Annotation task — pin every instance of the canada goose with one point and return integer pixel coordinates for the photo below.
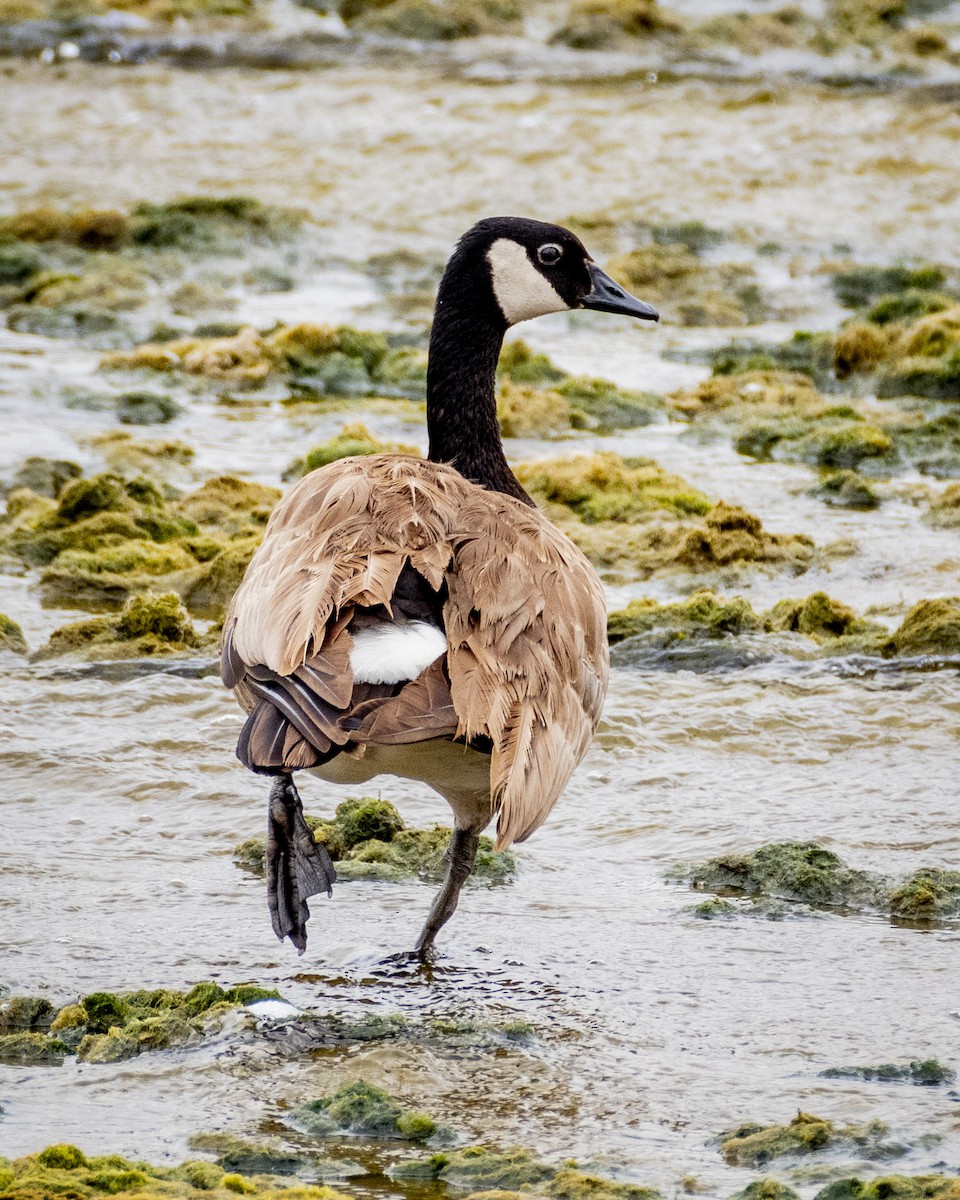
(421, 617)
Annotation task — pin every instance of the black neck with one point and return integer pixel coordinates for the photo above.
(461, 392)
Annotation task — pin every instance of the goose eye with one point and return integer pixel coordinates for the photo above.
(549, 254)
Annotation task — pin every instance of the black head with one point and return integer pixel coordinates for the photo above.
(516, 269)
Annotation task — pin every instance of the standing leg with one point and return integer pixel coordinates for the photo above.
(461, 855)
(296, 866)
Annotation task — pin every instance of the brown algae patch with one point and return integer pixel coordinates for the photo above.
(628, 514)
(367, 839)
(108, 1027)
(805, 873)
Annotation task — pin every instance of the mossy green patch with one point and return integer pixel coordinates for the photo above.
(606, 487)
(108, 539)
(808, 874)
(523, 365)
(928, 895)
(754, 1145)
(31, 1049)
(893, 1187)
(862, 286)
(368, 841)
(798, 871)
(11, 636)
(704, 614)
(766, 1189)
(690, 290)
(147, 625)
(571, 1184)
(528, 411)
(931, 627)
(363, 1108)
(847, 489)
(45, 476)
(25, 1012)
(352, 440)
(477, 1169)
(107, 1027)
(65, 1171)
(248, 1158)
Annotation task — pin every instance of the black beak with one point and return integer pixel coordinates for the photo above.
(608, 296)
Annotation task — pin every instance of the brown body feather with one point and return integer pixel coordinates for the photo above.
(525, 672)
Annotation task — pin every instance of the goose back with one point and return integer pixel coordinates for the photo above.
(525, 671)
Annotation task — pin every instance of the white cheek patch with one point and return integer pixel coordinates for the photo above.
(521, 291)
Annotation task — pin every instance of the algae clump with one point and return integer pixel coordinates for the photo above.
(478, 1169)
(362, 1108)
(754, 1145)
(930, 627)
(11, 636)
(368, 841)
(798, 871)
(147, 625)
(352, 440)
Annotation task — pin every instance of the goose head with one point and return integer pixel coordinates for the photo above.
(517, 269)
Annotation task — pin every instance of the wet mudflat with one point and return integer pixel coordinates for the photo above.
(652, 1029)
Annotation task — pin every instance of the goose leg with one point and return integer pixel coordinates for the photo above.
(297, 867)
(461, 855)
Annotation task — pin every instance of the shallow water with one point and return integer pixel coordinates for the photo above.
(655, 1030)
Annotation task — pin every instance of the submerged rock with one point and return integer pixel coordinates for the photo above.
(25, 1012)
(799, 871)
(926, 1073)
(928, 895)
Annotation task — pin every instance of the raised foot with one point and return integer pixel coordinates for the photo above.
(297, 867)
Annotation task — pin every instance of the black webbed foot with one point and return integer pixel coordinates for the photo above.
(297, 867)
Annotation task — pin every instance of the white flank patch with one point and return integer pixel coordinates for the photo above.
(521, 291)
(392, 652)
